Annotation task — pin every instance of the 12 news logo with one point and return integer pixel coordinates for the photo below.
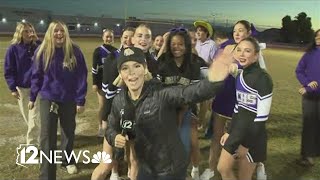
(29, 154)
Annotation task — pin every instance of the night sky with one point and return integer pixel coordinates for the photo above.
(263, 13)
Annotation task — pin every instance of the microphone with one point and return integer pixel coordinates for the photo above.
(127, 120)
(127, 127)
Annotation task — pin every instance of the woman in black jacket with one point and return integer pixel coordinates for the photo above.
(145, 112)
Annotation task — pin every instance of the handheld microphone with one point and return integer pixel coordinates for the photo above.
(127, 126)
(127, 120)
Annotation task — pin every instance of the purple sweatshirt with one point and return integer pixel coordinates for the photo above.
(58, 83)
(17, 65)
(308, 70)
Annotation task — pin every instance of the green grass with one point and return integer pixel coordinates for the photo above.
(284, 124)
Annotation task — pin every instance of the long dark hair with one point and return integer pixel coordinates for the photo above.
(313, 45)
(187, 43)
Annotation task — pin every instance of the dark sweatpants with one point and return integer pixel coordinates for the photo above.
(310, 145)
(48, 134)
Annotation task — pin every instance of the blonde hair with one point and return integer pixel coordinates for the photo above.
(107, 30)
(17, 36)
(143, 26)
(47, 47)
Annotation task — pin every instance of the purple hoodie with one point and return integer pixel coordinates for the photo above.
(17, 65)
(58, 83)
(308, 70)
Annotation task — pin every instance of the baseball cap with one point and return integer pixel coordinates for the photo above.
(131, 54)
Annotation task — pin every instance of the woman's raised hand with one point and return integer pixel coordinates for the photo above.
(219, 69)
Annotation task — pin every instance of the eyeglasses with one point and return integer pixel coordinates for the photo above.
(179, 29)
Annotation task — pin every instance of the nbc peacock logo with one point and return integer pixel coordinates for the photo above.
(101, 157)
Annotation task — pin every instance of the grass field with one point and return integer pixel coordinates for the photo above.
(284, 124)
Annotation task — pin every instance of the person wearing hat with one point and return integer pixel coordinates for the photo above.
(206, 49)
(157, 144)
(205, 46)
(110, 73)
(141, 38)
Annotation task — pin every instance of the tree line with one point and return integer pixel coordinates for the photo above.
(297, 30)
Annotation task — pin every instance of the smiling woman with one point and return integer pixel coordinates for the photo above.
(132, 73)
(157, 144)
(17, 73)
(247, 53)
(58, 35)
(246, 139)
(59, 76)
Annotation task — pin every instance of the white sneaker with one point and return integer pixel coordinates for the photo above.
(114, 176)
(195, 174)
(261, 172)
(72, 169)
(207, 174)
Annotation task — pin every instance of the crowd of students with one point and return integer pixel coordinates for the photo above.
(164, 90)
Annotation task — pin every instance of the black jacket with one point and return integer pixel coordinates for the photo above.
(110, 73)
(189, 72)
(152, 64)
(158, 146)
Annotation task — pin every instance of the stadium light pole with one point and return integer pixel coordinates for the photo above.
(214, 18)
(125, 11)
